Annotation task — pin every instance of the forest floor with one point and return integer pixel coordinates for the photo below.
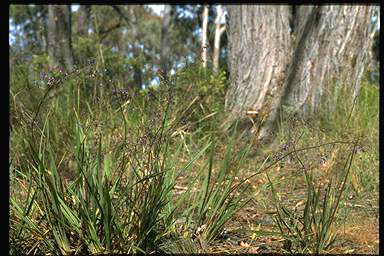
(356, 226)
(357, 219)
(253, 229)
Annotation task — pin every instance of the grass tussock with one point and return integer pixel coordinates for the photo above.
(99, 168)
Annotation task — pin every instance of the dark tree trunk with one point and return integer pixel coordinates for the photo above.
(84, 19)
(33, 41)
(137, 74)
(42, 32)
(293, 56)
(59, 36)
(165, 47)
(132, 23)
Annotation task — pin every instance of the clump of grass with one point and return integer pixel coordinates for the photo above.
(124, 161)
(217, 200)
(311, 231)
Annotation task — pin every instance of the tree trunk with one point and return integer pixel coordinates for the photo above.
(218, 32)
(84, 20)
(292, 56)
(59, 36)
(204, 46)
(137, 74)
(165, 47)
(42, 31)
(133, 25)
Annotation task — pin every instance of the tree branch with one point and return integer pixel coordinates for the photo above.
(104, 32)
(120, 12)
(222, 29)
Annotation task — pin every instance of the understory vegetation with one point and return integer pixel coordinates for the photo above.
(96, 167)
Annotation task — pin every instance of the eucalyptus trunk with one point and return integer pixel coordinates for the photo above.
(165, 47)
(204, 46)
(84, 19)
(293, 56)
(137, 73)
(59, 37)
(219, 30)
